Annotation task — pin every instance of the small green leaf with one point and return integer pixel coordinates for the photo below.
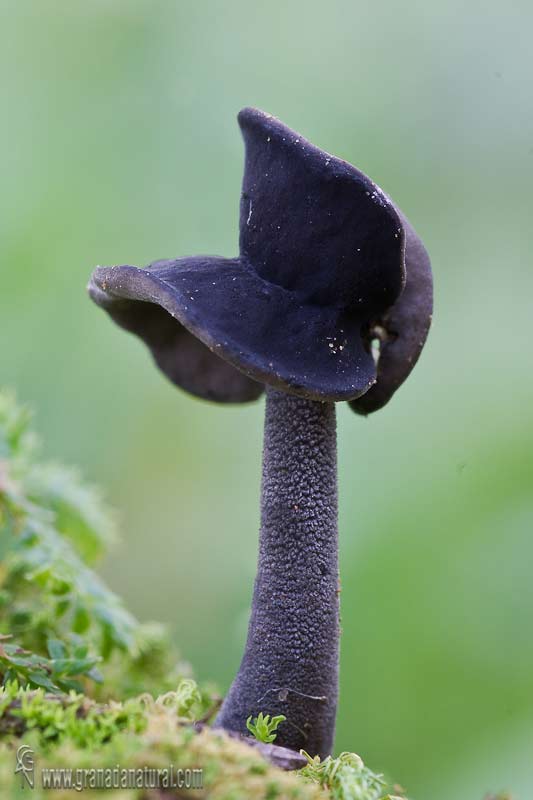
(56, 648)
(41, 679)
(61, 608)
(263, 728)
(81, 620)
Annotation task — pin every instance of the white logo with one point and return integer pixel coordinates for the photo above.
(25, 765)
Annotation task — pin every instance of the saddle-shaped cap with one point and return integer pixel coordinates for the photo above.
(323, 265)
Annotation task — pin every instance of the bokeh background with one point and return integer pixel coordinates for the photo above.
(118, 144)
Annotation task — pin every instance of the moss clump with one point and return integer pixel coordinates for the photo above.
(75, 732)
(347, 778)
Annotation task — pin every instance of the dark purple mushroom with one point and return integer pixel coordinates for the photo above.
(328, 267)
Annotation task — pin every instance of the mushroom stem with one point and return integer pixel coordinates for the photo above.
(290, 663)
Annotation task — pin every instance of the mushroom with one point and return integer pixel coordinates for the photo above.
(330, 299)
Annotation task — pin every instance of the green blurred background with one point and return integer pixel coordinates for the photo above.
(119, 143)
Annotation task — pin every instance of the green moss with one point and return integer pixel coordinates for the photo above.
(227, 765)
(347, 778)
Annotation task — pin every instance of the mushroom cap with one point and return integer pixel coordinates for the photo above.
(322, 257)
